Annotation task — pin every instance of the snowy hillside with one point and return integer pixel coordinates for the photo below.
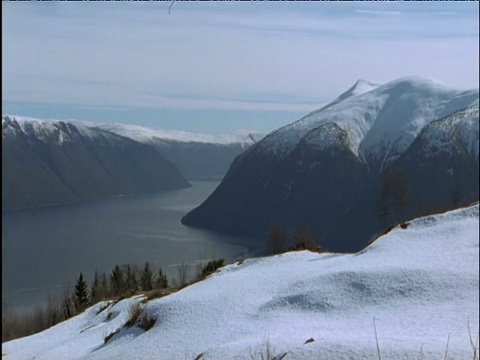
(418, 288)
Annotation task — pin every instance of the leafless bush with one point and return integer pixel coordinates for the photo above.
(134, 313)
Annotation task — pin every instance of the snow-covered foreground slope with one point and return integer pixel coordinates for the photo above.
(420, 284)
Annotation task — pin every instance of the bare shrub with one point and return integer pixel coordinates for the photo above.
(473, 344)
(156, 294)
(11, 324)
(276, 242)
(134, 313)
(267, 353)
(103, 307)
(146, 322)
(183, 274)
(111, 335)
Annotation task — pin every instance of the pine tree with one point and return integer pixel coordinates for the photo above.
(98, 290)
(146, 278)
(161, 282)
(131, 284)
(104, 286)
(117, 284)
(81, 294)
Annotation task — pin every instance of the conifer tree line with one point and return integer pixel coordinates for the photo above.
(124, 280)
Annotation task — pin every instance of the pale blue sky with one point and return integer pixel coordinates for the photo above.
(218, 66)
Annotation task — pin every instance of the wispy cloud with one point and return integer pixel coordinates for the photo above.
(264, 56)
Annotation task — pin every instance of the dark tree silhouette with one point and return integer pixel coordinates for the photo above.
(81, 294)
(161, 281)
(117, 283)
(394, 196)
(146, 278)
(276, 242)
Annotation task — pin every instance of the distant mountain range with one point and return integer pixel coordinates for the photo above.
(198, 156)
(375, 156)
(57, 162)
(49, 163)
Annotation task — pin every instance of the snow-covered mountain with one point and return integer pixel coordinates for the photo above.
(380, 122)
(413, 293)
(47, 163)
(340, 164)
(198, 156)
(146, 134)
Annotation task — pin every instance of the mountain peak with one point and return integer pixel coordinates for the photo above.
(361, 86)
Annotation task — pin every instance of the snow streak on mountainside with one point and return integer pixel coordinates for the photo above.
(458, 129)
(370, 155)
(50, 163)
(415, 289)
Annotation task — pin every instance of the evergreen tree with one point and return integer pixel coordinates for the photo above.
(98, 289)
(212, 266)
(81, 294)
(161, 282)
(117, 284)
(104, 286)
(146, 278)
(131, 284)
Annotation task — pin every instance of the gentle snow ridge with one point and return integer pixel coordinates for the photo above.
(420, 284)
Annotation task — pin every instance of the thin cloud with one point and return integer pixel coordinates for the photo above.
(245, 56)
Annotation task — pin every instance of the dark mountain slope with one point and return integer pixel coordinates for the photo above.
(55, 163)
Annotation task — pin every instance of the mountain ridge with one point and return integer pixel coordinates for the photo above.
(51, 163)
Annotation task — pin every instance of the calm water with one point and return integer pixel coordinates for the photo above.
(46, 249)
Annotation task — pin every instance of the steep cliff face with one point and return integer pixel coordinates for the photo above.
(349, 170)
(440, 168)
(47, 163)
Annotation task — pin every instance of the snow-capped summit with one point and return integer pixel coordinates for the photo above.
(380, 121)
(369, 158)
(360, 87)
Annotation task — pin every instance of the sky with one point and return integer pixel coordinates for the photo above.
(219, 66)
